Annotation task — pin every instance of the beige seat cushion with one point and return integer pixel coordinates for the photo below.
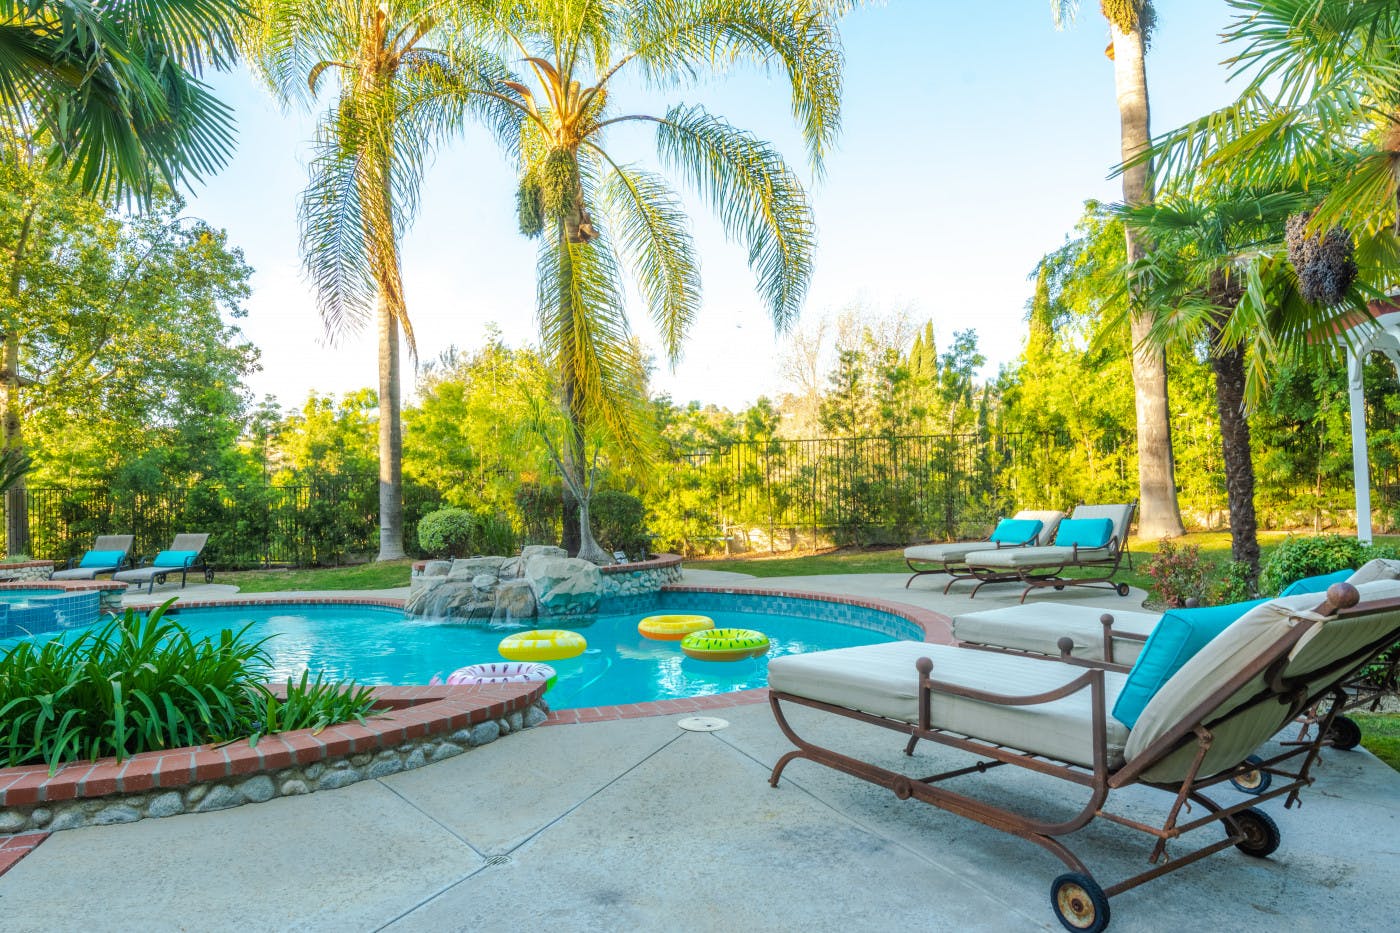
(1227, 655)
(1038, 627)
(881, 680)
(952, 552)
(1013, 557)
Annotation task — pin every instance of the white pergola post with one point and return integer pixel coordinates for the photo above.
(1360, 458)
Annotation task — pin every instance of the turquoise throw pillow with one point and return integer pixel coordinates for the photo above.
(1317, 584)
(99, 559)
(1017, 530)
(1084, 532)
(1175, 640)
(174, 558)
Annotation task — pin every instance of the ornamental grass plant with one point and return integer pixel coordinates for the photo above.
(142, 683)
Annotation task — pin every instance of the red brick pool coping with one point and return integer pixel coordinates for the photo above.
(14, 848)
(67, 586)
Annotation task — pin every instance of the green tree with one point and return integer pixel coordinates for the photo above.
(571, 178)
(405, 74)
(1206, 276)
(1130, 25)
(124, 327)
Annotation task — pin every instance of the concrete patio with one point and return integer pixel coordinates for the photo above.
(639, 825)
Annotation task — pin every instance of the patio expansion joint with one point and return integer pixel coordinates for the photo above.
(534, 835)
(1031, 922)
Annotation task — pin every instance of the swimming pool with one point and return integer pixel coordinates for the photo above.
(375, 645)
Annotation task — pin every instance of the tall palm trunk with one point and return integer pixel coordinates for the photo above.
(1158, 513)
(381, 239)
(1228, 366)
(12, 436)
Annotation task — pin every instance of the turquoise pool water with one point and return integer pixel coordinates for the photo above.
(383, 646)
(24, 598)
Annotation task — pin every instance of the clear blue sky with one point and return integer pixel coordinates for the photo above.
(973, 133)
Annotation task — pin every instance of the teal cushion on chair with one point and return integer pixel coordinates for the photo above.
(100, 559)
(1017, 530)
(1317, 584)
(175, 559)
(1084, 532)
(1177, 637)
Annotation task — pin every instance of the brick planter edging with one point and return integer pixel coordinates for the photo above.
(419, 725)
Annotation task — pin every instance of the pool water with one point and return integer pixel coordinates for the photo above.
(23, 599)
(383, 646)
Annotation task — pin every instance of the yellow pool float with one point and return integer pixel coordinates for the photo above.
(673, 628)
(725, 644)
(546, 644)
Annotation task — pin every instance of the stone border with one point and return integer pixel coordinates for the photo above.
(658, 562)
(418, 725)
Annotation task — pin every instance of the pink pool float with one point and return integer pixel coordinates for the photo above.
(504, 672)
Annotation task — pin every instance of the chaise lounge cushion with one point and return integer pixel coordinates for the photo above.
(1084, 532)
(881, 680)
(1051, 556)
(174, 559)
(953, 552)
(100, 559)
(1038, 627)
(1317, 584)
(1227, 656)
(1016, 531)
(1174, 641)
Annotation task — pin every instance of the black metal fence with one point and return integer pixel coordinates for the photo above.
(328, 520)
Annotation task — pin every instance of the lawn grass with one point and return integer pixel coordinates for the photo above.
(374, 576)
(1380, 734)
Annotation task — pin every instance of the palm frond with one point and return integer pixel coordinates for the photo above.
(333, 245)
(678, 41)
(759, 200)
(653, 235)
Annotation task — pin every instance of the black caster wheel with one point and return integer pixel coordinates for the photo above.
(1058, 588)
(1261, 835)
(1345, 734)
(1122, 589)
(1079, 902)
(1252, 782)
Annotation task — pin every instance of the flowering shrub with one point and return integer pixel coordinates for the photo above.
(1178, 573)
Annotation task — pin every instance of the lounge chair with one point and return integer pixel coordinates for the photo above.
(109, 554)
(1026, 528)
(1095, 537)
(183, 556)
(1196, 731)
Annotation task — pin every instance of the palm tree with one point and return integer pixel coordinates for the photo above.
(116, 87)
(1218, 278)
(1130, 22)
(404, 74)
(1321, 107)
(592, 211)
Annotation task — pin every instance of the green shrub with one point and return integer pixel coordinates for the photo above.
(1299, 557)
(139, 684)
(619, 522)
(1178, 573)
(540, 508)
(460, 533)
(1233, 585)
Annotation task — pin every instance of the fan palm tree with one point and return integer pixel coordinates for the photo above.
(404, 74)
(116, 87)
(1320, 107)
(594, 212)
(1218, 278)
(1130, 23)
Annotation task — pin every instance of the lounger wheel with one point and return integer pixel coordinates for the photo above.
(1079, 902)
(1252, 782)
(1059, 586)
(1123, 589)
(1261, 835)
(1345, 734)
